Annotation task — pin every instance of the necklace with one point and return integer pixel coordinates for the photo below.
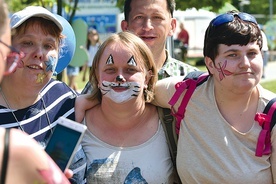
(20, 126)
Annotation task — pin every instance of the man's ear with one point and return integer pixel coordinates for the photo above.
(172, 27)
(124, 25)
(209, 64)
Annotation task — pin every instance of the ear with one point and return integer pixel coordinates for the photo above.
(209, 64)
(148, 77)
(124, 25)
(172, 27)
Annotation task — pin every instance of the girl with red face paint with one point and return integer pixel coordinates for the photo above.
(218, 136)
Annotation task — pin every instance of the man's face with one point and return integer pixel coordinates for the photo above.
(151, 21)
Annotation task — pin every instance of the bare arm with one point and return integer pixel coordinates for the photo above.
(164, 90)
(81, 105)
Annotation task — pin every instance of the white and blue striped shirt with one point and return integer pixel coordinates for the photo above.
(57, 99)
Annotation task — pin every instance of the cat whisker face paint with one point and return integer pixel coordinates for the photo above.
(120, 93)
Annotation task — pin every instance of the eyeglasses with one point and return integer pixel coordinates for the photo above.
(12, 59)
(229, 17)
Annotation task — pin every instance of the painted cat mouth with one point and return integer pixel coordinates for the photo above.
(120, 88)
(117, 85)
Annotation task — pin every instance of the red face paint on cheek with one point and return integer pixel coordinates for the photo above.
(221, 70)
(20, 64)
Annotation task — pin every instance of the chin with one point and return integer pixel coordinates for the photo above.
(247, 86)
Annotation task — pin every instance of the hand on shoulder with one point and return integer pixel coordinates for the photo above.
(81, 105)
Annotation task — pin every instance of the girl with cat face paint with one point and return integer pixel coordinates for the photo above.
(125, 140)
(121, 90)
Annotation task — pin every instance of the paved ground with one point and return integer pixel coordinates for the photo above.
(270, 73)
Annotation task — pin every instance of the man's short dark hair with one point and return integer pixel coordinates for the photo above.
(127, 7)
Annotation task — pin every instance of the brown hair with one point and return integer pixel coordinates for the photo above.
(46, 25)
(127, 8)
(237, 31)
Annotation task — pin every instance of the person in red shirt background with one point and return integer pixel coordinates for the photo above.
(183, 37)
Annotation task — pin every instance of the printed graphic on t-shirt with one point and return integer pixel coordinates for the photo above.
(106, 171)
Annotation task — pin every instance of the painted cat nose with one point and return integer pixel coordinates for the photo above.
(120, 78)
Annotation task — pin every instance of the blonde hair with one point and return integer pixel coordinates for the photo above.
(139, 50)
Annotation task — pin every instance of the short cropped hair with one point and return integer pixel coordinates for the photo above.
(237, 31)
(127, 7)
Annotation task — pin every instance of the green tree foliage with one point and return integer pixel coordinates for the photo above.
(256, 7)
(213, 5)
(16, 5)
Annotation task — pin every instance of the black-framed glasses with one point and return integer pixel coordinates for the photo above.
(229, 17)
(12, 58)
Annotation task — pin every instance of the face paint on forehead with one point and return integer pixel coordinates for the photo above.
(109, 60)
(132, 61)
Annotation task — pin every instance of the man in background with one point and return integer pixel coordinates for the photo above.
(153, 22)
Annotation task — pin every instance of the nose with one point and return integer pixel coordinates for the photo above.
(147, 24)
(245, 62)
(38, 53)
(120, 78)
